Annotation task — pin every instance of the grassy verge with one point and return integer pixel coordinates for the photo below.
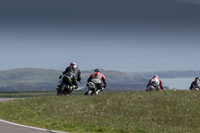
(33, 94)
(26, 94)
(125, 112)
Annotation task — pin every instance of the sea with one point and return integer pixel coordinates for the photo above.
(178, 83)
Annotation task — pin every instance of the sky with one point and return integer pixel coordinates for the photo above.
(121, 35)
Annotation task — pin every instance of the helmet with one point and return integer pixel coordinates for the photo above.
(73, 64)
(97, 70)
(155, 76)
(197, 78)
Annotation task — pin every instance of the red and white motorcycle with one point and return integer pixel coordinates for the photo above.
(91, 89)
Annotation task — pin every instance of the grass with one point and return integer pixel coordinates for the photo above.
(26, 94)
(33, 94)
(123, 112)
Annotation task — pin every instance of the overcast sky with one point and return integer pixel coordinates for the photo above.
(123, 35)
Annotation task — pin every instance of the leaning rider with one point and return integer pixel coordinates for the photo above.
(74, 72)
(155, 81)
(195, 85)
(97, 77)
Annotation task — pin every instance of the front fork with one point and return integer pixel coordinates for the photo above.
(86, 90)
(60, 81)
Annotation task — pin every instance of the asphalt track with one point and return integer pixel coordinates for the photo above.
(9, 127)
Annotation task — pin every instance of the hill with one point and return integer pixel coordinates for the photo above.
(168, 74)
(35, 79)
(28, 79)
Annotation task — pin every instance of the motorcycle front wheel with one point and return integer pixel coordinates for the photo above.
(61, 89)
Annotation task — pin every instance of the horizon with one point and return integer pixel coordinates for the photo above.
(109, 70)
(126, 36)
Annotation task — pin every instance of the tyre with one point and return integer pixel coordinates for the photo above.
(67, 91)
(89, 92)
(61, 89)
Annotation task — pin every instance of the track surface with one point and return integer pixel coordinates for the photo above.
(9, 127)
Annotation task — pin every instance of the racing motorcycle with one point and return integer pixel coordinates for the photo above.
(65, 86)
(194, 88)
(153, 88)
(195, 85)
(92, 89)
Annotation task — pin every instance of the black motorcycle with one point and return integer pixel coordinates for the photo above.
(195, 87)
(65, 86)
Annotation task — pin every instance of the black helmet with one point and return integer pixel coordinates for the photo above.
(97, 70)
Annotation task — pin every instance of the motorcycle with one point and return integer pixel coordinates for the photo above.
(194, 88)
(153, 88)
(64, 86)
(91, 89)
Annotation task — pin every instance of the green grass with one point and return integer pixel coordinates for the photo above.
(123, 112)
(26, 94)
(33, 94)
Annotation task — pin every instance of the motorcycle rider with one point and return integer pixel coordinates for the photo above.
(195, 84)
(156, 82)
(74, 73)
(69, 79)
(97, 77)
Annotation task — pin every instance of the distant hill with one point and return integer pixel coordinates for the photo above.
(33, 79)
(169, 74)
(28, 79)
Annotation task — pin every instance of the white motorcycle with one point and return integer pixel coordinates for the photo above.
(153, 88)
(91, 89)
